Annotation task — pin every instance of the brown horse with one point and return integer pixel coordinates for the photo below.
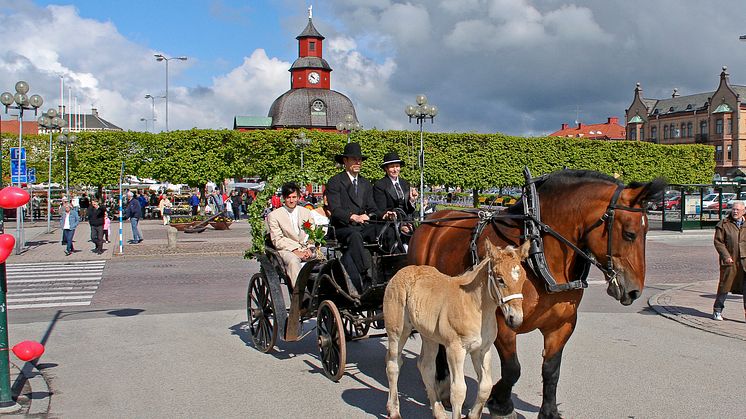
(577, 205)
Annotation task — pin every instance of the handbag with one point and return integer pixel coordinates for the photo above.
(166, 211)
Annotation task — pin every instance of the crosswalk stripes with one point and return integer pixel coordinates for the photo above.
(53, 284)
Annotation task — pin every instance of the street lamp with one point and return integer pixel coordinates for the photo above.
(152, 108)
(161, 57)
(301, 141)
(22, 102)
(420, 113)
(146, 123)
(348, 125)
(51, 122)
(67, 139)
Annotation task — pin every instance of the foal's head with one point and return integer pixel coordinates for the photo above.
(505, 280)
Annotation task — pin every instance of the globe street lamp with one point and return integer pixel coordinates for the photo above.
(67, 140)
(348, 125)
(420, 113)
(161, 57)
(51, 122)
(301, 141)
(22, 103)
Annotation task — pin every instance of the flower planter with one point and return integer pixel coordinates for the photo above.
(181, 226)
(220, 225)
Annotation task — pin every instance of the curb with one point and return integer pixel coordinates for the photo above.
(661, 303)
(31, 390)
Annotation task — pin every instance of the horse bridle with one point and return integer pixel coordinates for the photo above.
(494, 289)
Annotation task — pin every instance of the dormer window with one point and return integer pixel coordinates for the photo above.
(655, 112)
(670, 109)
(689, 107)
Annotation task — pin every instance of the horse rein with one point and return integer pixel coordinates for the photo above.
(494, 289)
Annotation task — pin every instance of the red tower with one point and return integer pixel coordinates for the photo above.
(310, 70)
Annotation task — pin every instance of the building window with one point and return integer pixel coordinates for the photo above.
(718, 126)
(689, 130)
(719, 153)
(682, 133)
(729, 126)
(703, 128)
(312, 46)
(654, 133)
(633, 132)
(730, 152)
(665, 132)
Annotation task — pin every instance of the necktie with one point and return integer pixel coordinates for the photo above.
(399, 192)
(354, 183)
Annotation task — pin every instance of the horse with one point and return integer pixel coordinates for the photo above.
(458, 312)
(594, 213)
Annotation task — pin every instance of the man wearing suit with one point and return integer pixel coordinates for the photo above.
(286, 231)
(393, 193)
(351, 204)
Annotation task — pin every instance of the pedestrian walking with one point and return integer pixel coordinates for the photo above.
(236, 203)
(36, 208)
(96, 217)
(143, 204)
(134, 212)
(107, 227)
(165, 207)
(68, 223)
(228, 205)
(84, 203)
(194, 203)
(730, 243)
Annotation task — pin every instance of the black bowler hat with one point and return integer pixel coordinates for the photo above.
(391, 158)
(351, 150)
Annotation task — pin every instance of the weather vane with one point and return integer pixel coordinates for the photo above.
(310, 11)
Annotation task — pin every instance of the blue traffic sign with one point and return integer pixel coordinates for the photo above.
(31, 175)
(14, 153)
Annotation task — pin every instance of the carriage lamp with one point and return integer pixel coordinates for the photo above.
(420, 113)
(348, 126)
(301, 141)
(51, 122)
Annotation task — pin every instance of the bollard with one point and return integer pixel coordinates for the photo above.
(172, 237)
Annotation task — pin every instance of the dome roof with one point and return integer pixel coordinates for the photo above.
(312, 108)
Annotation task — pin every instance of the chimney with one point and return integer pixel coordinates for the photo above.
(675, 92)
(580, 125)
(612, 120)
(565, 126)
(94, 112)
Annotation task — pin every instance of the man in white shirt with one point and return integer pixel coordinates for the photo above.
(286, 231)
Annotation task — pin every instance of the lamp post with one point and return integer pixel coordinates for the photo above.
(348, 125)
(420, 113)
(51, 122)
(152, 109)
(161, 57)
(67, 140)
(22, 103)
(301, 141)
(146, 123)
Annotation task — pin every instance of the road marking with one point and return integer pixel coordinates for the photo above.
(53, 284)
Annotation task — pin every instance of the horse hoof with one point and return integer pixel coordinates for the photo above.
(511, 415)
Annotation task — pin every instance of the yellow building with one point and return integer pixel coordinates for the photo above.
(712, 118)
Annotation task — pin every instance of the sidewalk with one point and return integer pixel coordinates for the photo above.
(691, 305)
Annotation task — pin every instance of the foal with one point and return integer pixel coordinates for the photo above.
(458, 313)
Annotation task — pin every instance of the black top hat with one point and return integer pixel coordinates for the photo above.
(391, 157)
(351, 150)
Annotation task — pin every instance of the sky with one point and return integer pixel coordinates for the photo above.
(517, 67)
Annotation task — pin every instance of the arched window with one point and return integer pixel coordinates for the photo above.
(719, 126)
(665, 132)
(703, 129)
(689, 129)
(682, 132)
(654, 133)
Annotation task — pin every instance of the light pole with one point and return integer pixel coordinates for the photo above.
(67, 140)
(22, 102)
(152, 109)
(301, 141)
(51, 122)
(420, 113)
(146, 123)
(348, 125)
(161, 57)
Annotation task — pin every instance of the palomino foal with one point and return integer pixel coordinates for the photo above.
(456, 312)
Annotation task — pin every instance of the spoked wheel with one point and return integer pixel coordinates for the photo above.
(261, 311)
(352, 330)
(332, 346)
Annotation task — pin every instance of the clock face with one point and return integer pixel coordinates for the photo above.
(317, 105)
(313, 77)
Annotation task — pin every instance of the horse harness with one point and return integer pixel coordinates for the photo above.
(534, 227)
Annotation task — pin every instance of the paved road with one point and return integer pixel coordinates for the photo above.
(164, 337)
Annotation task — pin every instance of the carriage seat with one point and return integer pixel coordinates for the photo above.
(333, 243)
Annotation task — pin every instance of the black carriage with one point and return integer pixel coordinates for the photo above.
(322, 291)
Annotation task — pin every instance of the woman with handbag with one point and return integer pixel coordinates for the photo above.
(165, 207)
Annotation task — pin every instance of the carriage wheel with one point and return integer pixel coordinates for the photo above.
(354, 331)
(332, 347)
(261, 311)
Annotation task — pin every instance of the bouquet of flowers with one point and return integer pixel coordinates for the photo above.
(315, 235)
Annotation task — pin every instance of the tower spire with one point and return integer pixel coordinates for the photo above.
(310, 11)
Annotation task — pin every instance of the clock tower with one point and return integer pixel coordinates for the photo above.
(310, 70)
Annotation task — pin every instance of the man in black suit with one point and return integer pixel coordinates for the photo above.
(351, 204)
(393, 194)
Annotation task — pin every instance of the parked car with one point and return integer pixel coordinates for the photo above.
(741, 197)
(674, 203)
(710, 202)
(656, 205)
